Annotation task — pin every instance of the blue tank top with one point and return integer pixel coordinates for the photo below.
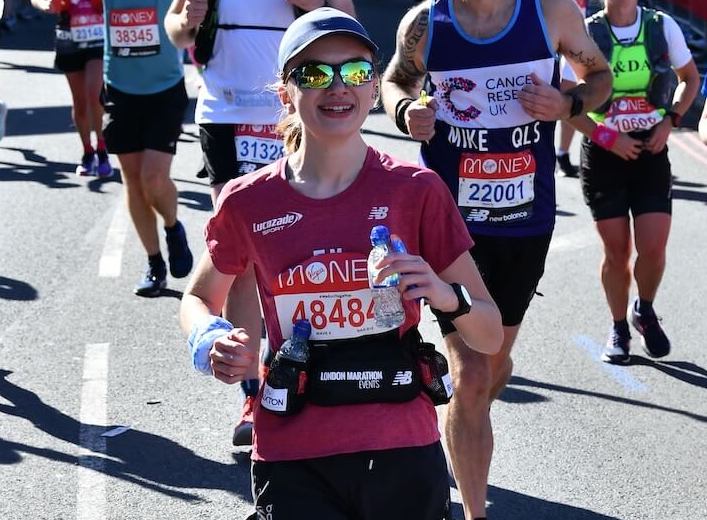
(138, 56)
(497, 160)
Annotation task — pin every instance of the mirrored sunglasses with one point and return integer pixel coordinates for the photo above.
(353, 73)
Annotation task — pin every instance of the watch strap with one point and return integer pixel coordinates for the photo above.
(577, 104)
(675, 118)
(463, 308)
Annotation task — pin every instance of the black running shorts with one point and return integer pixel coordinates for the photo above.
(399, 484)
(221, 162)
(134, 122)
(511, 268)
(76, 61)
(613, 187)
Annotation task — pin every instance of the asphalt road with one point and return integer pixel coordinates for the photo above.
(80, 355)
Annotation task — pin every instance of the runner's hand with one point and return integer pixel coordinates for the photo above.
(194, 13)
(627, 147)
(418, 280)
(230, 357)
(542, 101)
(659, 136)
(420, 119)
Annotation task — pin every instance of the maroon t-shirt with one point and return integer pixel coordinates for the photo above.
(310, 262)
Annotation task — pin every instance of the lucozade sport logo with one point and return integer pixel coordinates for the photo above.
(272, 225)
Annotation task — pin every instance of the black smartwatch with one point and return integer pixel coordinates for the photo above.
(464, 300)
(675, 118)
(577, 104)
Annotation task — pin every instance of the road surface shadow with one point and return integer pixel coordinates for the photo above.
(29, 69)
(510, 505)
(695, 196)
(11, 289)
(682, 370)
(683, 193)
(139, 457)
(40, 121)
(514, 395)
(49, 173)
(522, 381)
(30, 35)
(195, 200)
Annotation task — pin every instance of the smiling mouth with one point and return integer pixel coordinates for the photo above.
(337, 109)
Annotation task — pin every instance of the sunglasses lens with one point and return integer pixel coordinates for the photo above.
(355, 73)
(314, 76)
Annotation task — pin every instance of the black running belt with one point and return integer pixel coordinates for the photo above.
(231, 27)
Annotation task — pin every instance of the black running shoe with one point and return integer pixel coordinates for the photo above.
(616, 350)
(180, 257)
(569, 169)
(653, 338)
(152, 283)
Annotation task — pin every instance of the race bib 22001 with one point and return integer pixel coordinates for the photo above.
(496, 187)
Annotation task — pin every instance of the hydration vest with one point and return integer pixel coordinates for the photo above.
(658, 88)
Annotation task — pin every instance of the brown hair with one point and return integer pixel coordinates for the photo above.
(290, 128)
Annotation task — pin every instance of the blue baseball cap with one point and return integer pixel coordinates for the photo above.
(317, 24)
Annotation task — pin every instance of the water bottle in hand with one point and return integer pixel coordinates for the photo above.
(387, 305)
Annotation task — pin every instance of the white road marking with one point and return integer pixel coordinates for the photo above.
(112, 257)
(682, 142)
(620, 374)
(91, 493)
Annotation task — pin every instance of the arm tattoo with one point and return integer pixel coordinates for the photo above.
(588, 61)
(406, 71)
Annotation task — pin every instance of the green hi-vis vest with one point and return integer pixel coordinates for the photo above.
(643, 78)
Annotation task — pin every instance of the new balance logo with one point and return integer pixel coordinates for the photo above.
(402, 378)
(378, 213)
(478, 215)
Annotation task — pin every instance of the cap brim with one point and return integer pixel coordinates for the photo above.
(317, 35)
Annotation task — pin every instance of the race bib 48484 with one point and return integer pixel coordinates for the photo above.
(332, 292)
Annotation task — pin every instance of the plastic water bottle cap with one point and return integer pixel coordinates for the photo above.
(379, 234)
(302, 328)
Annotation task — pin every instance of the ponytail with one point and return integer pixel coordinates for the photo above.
(290, 129)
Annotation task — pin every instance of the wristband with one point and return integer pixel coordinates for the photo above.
(604, 136)
(202, 337)
(400, 109)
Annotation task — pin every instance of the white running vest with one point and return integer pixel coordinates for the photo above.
(244, 64)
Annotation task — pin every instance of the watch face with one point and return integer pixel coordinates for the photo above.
(466, 294)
